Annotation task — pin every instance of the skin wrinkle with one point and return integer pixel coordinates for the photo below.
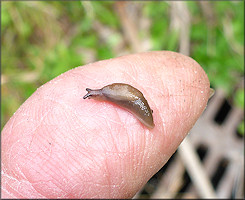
(40, 123)
(20, 123)
(48, 152)
(23, 175)
(11, 149)
(73, 186)
(138, 62)
(97, 161)
(126, 120)
(152, 102)
(70, 126)
(97, 183)
(113, 140)
(106, 122)
(108, 179)
(136, 73)
(81, 170)
(90, 142)
(86, 154)
(91, 169)
(155, 81)
(68, 186)
(132, 73)
(11, 177)
(144, 147)
(60, 186)
(141, 160)
(117, 112)
(129, 154)
(17, 191)
(75, 169)
(46, 169)
(90, 78)
(54, 180)
(7, 192)
(36, 186)
(121, 131)
(19, 182)
(20, 188)
(87, 121)
(54, 191)
(11, 125)
(114, 121)
(19, 170)
(64, 104)
(44, 142)
(16, 188)
(75, 141)
(106, 71)
(125, 165)
(129, 76)
(146, 156)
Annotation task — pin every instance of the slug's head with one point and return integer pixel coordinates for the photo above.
(94, 94)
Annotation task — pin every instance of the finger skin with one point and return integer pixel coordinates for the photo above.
(58, 145)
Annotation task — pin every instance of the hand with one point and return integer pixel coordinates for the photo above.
(58, 145)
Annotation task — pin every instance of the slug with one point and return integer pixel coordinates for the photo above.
(126, 96)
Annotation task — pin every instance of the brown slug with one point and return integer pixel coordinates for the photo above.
(127, 97)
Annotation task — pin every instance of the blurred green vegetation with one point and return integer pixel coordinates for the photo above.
(41, 40)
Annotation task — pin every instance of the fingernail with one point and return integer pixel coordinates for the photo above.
(211, 92)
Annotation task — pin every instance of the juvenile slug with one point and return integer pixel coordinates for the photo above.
(127, 97)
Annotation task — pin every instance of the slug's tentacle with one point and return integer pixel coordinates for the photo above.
(92, 93)
(127, 97)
